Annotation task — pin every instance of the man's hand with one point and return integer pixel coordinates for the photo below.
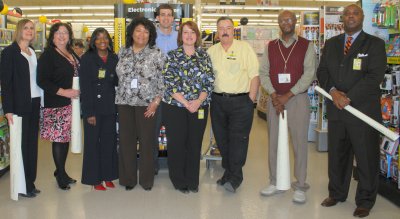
(339, 98)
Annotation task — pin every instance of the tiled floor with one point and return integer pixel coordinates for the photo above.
(164, 201)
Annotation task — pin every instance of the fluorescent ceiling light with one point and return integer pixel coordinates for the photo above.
(59, 7)
(64, 7)
(73, 15)
(76, 14)
(336, 0)
(249, 7)
(95, 7)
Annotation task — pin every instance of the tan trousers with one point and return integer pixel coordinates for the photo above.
(298, 113)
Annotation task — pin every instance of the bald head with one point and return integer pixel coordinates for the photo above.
(287, 14)
(287, 23)
(353, 18)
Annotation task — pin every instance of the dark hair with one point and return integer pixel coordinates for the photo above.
(224, 18)
(164, 6)
(93, 38)
(148, 25)
(78, 43)
(54, 28)
(193, 26)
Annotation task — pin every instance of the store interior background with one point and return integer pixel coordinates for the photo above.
(163, 201)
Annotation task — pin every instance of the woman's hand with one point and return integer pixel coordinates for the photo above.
(193, 105)
(69, 93)
(151, 110)
(9, 117)
(92, 120)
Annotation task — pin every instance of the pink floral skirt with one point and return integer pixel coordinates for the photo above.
(55, 124)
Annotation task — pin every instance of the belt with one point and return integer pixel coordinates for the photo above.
(230, 95)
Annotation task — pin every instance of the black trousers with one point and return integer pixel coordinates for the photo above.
(346, 141)
(185, 136)
(100, 158)
(29, 143)
(231, 119)
(133, 126)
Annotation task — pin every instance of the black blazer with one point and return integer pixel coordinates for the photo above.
(98, 95)
(54, 72)
(15, 81)
(361, 86)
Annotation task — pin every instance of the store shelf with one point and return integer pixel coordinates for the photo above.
(389, 190)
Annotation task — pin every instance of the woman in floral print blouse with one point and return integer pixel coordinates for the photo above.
(139, 92)
(188, 78)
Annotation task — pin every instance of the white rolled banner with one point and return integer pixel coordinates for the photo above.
(17, 172)
(376, 125)
(76, 127)
(283, 161)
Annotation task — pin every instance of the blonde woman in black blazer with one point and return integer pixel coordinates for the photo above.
(21, 96)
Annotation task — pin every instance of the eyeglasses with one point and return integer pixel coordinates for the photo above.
(61, 33)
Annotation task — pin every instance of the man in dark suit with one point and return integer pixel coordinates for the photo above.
(351, 68)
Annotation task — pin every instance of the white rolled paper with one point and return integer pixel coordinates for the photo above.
(376, 125)
(283, 162)
(17, 172)
(76, 129)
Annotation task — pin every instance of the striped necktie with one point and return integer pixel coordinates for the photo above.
(348, 44)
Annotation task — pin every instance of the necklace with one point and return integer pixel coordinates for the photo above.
(287, 59)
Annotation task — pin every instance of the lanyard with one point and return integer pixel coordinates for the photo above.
(287, 59)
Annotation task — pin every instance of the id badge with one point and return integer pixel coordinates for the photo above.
(357, 64)
(102, 73)
(283, 78)
(134, 83)
(200, 114)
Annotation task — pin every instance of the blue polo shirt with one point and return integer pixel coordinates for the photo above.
(167, 42)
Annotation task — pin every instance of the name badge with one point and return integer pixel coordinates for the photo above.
(102, 73)
(134, 83)
(283, 78)
(200, 114)
(357, 64)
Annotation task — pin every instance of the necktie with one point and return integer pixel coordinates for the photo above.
(348, 44)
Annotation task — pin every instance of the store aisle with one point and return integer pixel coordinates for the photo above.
(164, 202)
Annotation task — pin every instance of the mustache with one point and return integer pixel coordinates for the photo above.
(225, 35)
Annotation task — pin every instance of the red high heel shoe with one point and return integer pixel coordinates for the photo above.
(100, 187)
(109, 184)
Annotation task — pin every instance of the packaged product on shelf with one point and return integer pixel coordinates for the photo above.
(389, 147)
(4, 147)
(386, 108)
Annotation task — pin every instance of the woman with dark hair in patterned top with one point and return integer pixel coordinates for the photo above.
(139, 92)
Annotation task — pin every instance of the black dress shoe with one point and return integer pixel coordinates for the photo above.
(230, 187)
(62, 183)
(68, 178)
(221, 181)
(329, 202)
(361, 212)
(36, 191)
(184, 190)
(28, 195)
(194, 190)
(128, 188)
(147, 188)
